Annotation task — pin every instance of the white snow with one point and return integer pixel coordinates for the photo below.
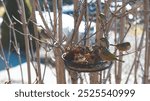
(15, 74)
(67, 22)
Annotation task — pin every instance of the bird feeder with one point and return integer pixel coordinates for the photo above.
(83, 63)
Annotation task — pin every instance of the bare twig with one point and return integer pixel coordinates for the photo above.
(26, 31)
(37, 44)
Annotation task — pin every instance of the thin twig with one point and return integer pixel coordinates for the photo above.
(40, 81)
(26, 31)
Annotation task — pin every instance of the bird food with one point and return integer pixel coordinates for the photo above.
(85, 59)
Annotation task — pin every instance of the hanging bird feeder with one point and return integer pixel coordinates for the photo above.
(85, 59)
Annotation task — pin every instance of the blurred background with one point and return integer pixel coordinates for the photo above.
(36, 33)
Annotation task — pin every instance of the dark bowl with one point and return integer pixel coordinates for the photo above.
(99, 66)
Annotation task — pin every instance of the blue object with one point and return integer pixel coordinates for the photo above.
(13, 59)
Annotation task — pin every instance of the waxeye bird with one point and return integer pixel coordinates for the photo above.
(102, 17)
(104, 43)
(122, 46)
(108, 56)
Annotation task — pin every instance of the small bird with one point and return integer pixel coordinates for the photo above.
(104, 43)
(45, 41)
(107, 56)
(122, 46)
(42, 34)
(95, 53)
(102, 17)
